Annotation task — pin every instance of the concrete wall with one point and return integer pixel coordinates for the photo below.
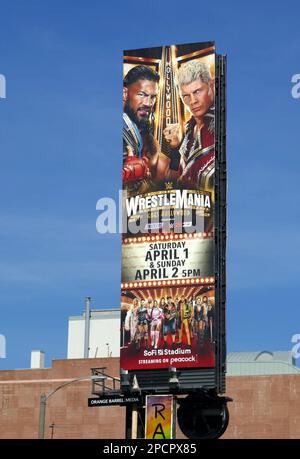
(75, 338)
(104, 329)
(263, 407)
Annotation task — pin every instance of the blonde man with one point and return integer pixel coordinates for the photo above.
(196, 146)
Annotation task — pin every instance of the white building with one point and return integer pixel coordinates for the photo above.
(104, 335)
(104, 341)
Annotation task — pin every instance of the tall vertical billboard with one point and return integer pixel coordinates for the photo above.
(168, 307)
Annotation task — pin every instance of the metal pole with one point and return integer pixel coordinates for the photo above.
(87, 327)
(134, 425)
(43, 401)
(174, 420)
(45, 397)
(128, 422)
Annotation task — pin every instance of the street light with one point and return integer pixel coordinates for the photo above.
(44, 398)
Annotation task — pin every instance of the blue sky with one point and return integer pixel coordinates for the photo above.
(60, 141)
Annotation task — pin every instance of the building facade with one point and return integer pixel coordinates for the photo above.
(104, 334)
(264, 406)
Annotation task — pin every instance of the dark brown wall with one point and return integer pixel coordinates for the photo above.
(263, 407)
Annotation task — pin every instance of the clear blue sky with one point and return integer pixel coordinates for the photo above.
(60, 141)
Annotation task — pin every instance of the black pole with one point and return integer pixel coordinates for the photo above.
(128, 422)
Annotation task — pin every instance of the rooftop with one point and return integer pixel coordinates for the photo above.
(261, 363)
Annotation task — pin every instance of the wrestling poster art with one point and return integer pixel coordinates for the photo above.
(168, 299)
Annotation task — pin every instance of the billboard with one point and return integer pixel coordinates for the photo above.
(168, 303)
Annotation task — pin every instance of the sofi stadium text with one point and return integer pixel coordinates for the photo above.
(151, 448)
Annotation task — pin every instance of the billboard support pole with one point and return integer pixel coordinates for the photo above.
(128, 422)
(134, 422)
(174, 418)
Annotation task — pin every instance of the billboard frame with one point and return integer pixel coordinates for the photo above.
(199, 379)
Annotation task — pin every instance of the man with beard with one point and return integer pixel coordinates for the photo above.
(140, 150)
(196, 147)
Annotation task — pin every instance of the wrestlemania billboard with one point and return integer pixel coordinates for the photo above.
(168, 303)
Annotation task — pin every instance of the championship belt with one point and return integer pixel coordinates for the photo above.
(135, 169)
(131, 137)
